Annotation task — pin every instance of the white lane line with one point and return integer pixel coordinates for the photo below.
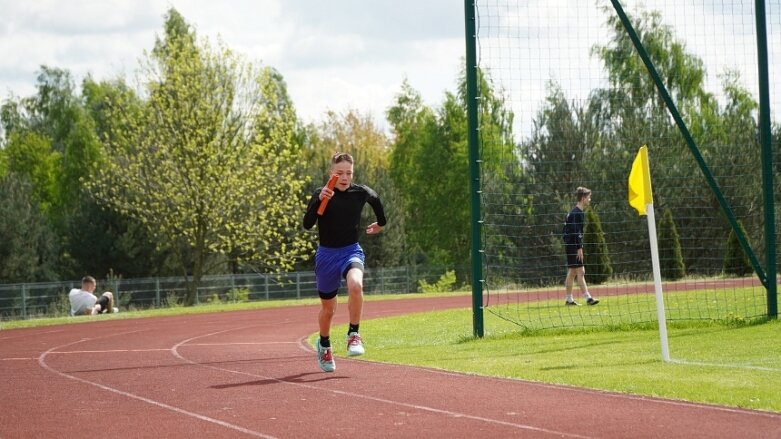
(29, 334)
(304, 345)
(175, 352)
(114, 351)
(726, 366)
(42, 363)
(109, 351)
(260, 343)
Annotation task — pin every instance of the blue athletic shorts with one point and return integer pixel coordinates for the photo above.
(331, 265)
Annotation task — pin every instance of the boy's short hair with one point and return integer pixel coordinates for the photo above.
(582, 192)
(341, 157)
(88, 280)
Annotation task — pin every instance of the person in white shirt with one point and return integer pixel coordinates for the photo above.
(84, 302)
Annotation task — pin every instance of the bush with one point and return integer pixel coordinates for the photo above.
(595, 253)
(172, 300)
(60, 307)
(736, 261)
(240, 295)
(670, 257)
(446, 283)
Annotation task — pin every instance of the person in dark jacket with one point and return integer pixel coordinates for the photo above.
(573, 245)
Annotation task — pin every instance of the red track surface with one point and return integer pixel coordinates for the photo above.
(251, 374)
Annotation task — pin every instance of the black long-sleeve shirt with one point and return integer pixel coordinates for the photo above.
(339, 226)
(573, 227)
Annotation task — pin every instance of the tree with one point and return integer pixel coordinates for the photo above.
(630, 113)
(595, 253)
(53, 142)
(28, 248)
(670, 257)
(736, 261)
(430, 165)
(29, 154)
(415, 132)
(555, 162)
(104, 240)
(207, 162)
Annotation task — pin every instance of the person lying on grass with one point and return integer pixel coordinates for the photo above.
(84, 302)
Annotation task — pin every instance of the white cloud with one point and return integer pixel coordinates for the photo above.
(353, 54)
(333, 55)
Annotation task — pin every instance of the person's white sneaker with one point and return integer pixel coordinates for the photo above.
(116, 309)
(355, 345)
(325, 358)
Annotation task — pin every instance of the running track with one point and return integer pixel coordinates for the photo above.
(252, 374)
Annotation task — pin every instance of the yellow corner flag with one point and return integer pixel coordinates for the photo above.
(640, 182)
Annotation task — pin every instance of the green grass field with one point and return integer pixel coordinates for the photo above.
(735, 364)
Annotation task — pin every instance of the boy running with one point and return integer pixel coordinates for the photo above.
(339, 255)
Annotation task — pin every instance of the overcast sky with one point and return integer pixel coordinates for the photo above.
(333, 54)
(354, 54)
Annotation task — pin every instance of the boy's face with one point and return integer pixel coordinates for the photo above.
(88, 286)
(344, 170)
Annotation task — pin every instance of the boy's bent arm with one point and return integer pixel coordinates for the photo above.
(376, 204)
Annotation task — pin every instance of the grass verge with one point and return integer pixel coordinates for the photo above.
(723, 364)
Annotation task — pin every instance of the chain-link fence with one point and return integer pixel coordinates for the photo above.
(50, 299)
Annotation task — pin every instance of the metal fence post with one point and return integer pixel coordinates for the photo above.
(157, 292)
(298, 285)
(24, 301)
(233, 286)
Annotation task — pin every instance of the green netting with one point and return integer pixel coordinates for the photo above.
(583, 104)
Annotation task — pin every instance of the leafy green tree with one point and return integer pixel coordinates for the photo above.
(414, 128)
(555, 160)
(430, 164)
(116, 243)
(29, 154)
(278, 139)
(577, 143)
(670, 257)
(207, 164)
(54, 119)
(595, 252)
(734, 155)
(632, 113)
(28, 248)
(54, 141)
(104, 242)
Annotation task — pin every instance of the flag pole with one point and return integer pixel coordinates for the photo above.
(641, 198)
(660, 315)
